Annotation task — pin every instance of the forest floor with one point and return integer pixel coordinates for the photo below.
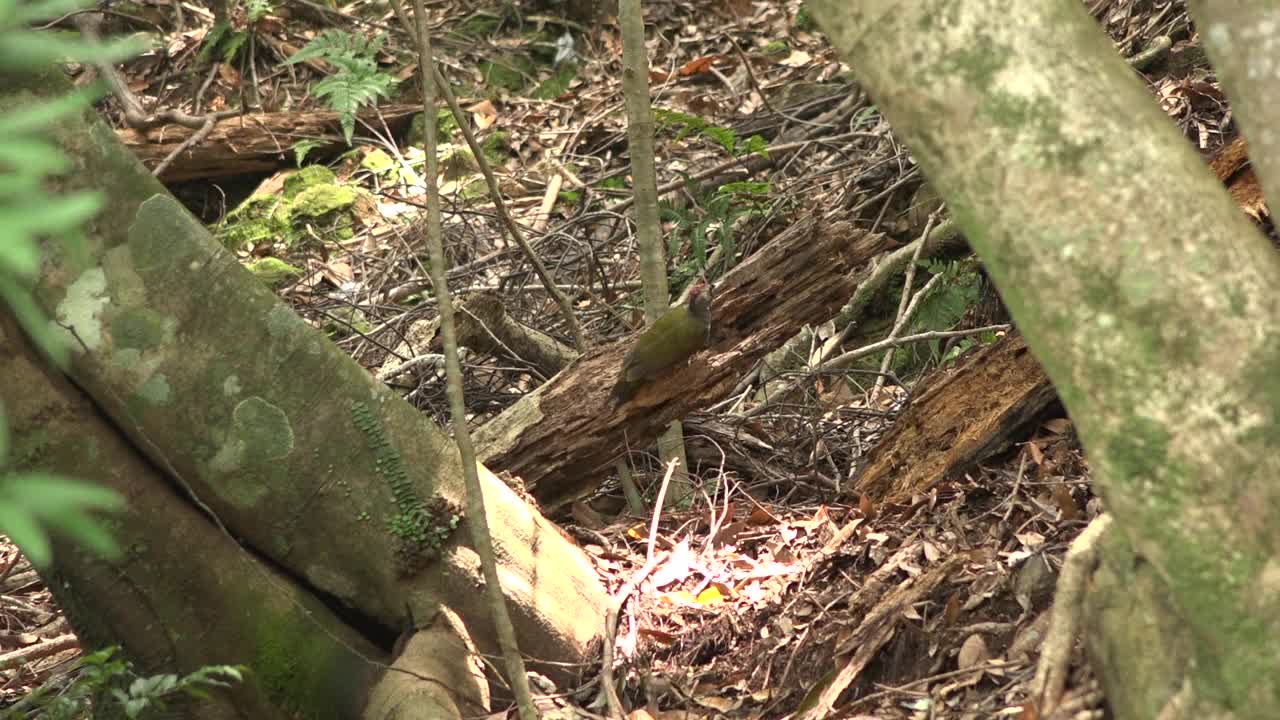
(776, 584)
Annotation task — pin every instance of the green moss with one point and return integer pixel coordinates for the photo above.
(138, 329)
(155, 391)
(776, 47)
(323, 209)
(804, 20)
(558, 84)
(456, 161)
(274, 272)
(302, 670)
(446, 127)
(479, 25)
(978, 64)
(378, 162)
(308, 176)
(474, 190)
(509, 72)
(264, 430)
(1263, 373)
(320, 200)
(496, 147)
(260, 220)
(1139, 458)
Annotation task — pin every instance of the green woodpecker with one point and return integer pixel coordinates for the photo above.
(671, 340)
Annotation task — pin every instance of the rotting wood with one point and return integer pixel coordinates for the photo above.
(249, 143)
(957, 421)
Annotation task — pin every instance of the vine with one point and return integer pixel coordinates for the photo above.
(420, 528)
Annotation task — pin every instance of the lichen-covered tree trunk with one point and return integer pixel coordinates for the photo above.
(1147, 296)
(255, 417)
(185, 595)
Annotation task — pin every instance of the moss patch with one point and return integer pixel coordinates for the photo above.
(508, 72)
(309, 176)
(274, 271)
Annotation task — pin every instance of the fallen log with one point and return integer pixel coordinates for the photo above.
(259, 142)
(958, 420)
(563, 437)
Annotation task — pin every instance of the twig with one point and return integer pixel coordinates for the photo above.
(737, 162)
(611, 630)
(657, 505)
(134, 115)
(477, 521)
(876, 347)
(34, 652)
(196, 137)
(903, 314)
(992, 665)
(566, 308)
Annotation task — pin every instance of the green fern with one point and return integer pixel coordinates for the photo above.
(687, 125)
(357, 81)
(716, 218)
(947, 303)
(109, 683)
(258, 9)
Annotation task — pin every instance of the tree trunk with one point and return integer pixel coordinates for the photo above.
(644, 184)
(321, 472)
(1148, 306)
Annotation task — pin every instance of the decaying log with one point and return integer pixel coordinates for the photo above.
(958, 420)
(249, 143)
(561, 438)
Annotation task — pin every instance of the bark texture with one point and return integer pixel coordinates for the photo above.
(1150, 309)
(1240, 40)
(961, 418)
(259, 142)
(305, 661)
(319, 469)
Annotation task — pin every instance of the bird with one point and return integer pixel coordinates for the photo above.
(670, 340)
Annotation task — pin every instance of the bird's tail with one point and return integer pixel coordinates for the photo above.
(624, 390)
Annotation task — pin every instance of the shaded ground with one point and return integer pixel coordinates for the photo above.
(752, 601)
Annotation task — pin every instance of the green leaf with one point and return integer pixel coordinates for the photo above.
(156, 685)
(32, 320)
(56, 214)
(45, 494)
(37, 117)
(19, 256)
(31, 501)
(135, 707)
(753, 145)
(232, 46)
(87, 531)
(22, 50)
(31, 157)
(302, 147)
(26, 533)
